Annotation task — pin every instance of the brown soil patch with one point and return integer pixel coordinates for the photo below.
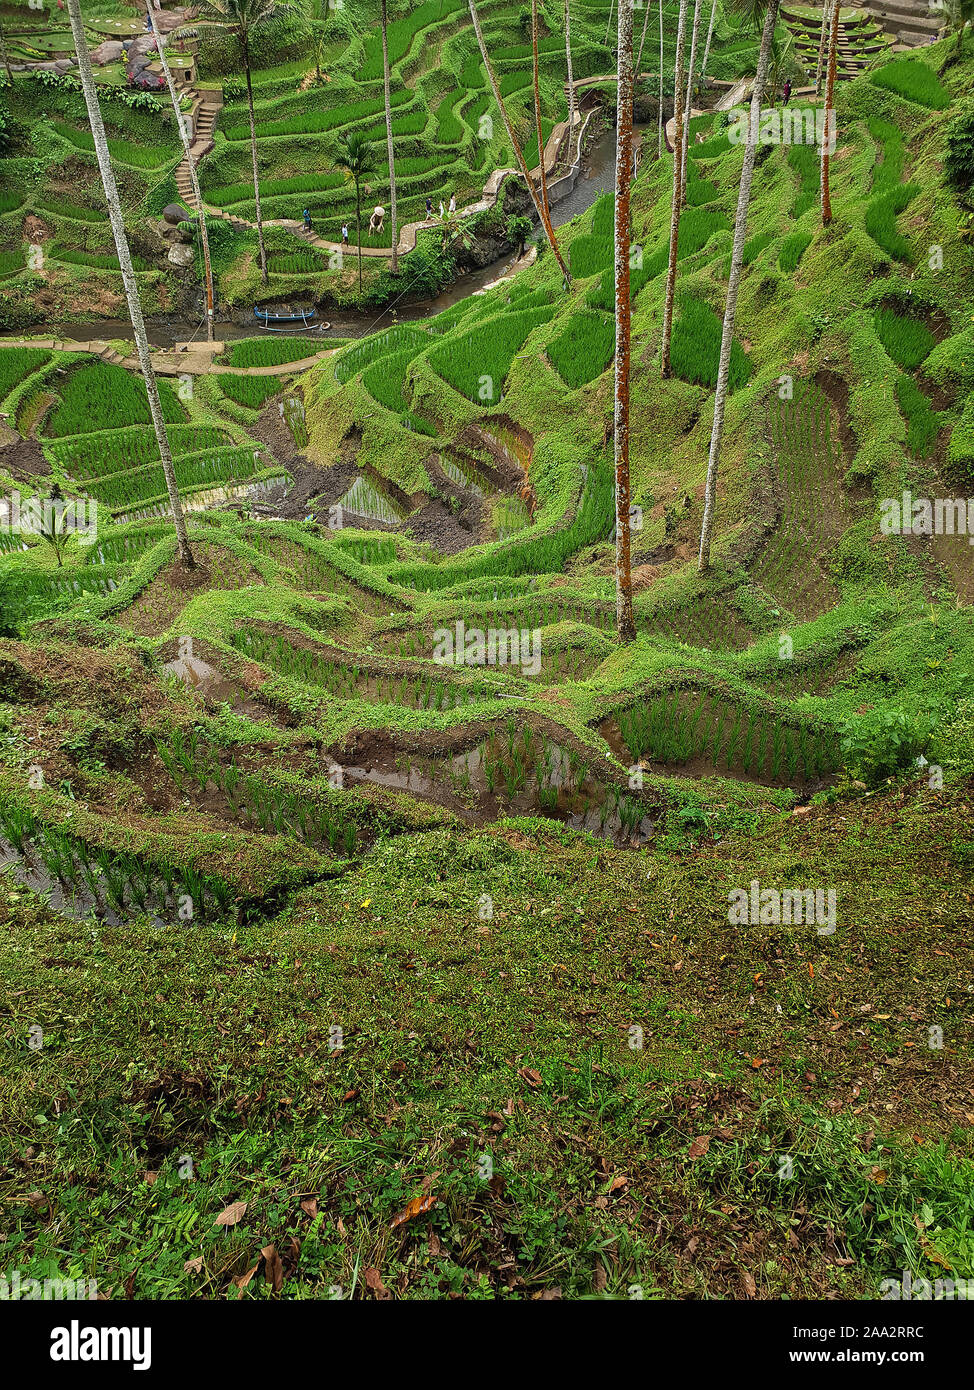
(24, 460)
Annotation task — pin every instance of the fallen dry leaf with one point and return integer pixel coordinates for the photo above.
(310, 1206)
(242, 1280)
(273, 1269)
(193, 1266)
(750, 1288)
(533, 1078)
(700, 1146)
(231, 1214)
(373, 1280)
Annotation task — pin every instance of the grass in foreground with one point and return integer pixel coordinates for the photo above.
(452, 1021)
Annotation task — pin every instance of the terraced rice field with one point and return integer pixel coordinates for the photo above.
(379, 762)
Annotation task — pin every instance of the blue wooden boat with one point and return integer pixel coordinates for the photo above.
(281, 319)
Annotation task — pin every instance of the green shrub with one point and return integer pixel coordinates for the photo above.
(882, 743)
(959, 153)
(960, 450)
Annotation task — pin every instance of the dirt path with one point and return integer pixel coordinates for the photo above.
(408, 234)
(190, 359)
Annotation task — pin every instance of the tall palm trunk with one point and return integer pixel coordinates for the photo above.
(677, 193)
(358, 230)
(710, 34)
(245, 55)
(642, 43)
(828, 132)
(625, 624)
(549, 231)
(6, 58)
(684, 152)
(826, 10)
(733, 282)
(659, 154)
(191, 165)
(571, 87)
(128, 275)
(394, 265)
(542, 172)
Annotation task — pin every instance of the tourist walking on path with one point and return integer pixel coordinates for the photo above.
(453, 202)
(441, 209)
(429, 209)
(307, 220)
(786, 92)
(344, 233)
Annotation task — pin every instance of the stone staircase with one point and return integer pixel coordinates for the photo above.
(203, 117)
(861, 39)
(911, 23)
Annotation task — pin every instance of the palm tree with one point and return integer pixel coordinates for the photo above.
(625, 624)
(710, 34)
(827, 133)
(780, 55)
(755, 10)
(684, 150)
(6, 58)
(128, 276)
(642, 44)
(677, 193)
(571, 84)
(960, 13)
(826, 8)
(191, 165)
(542, 172)
(241, 18)
(394, 225)
(659, 154)
(545, 220)
(354, 156)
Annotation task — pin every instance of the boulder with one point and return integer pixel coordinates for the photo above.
(173, 213)
(165, 23)
(181, 255)
(144, 43)
(110, 51)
